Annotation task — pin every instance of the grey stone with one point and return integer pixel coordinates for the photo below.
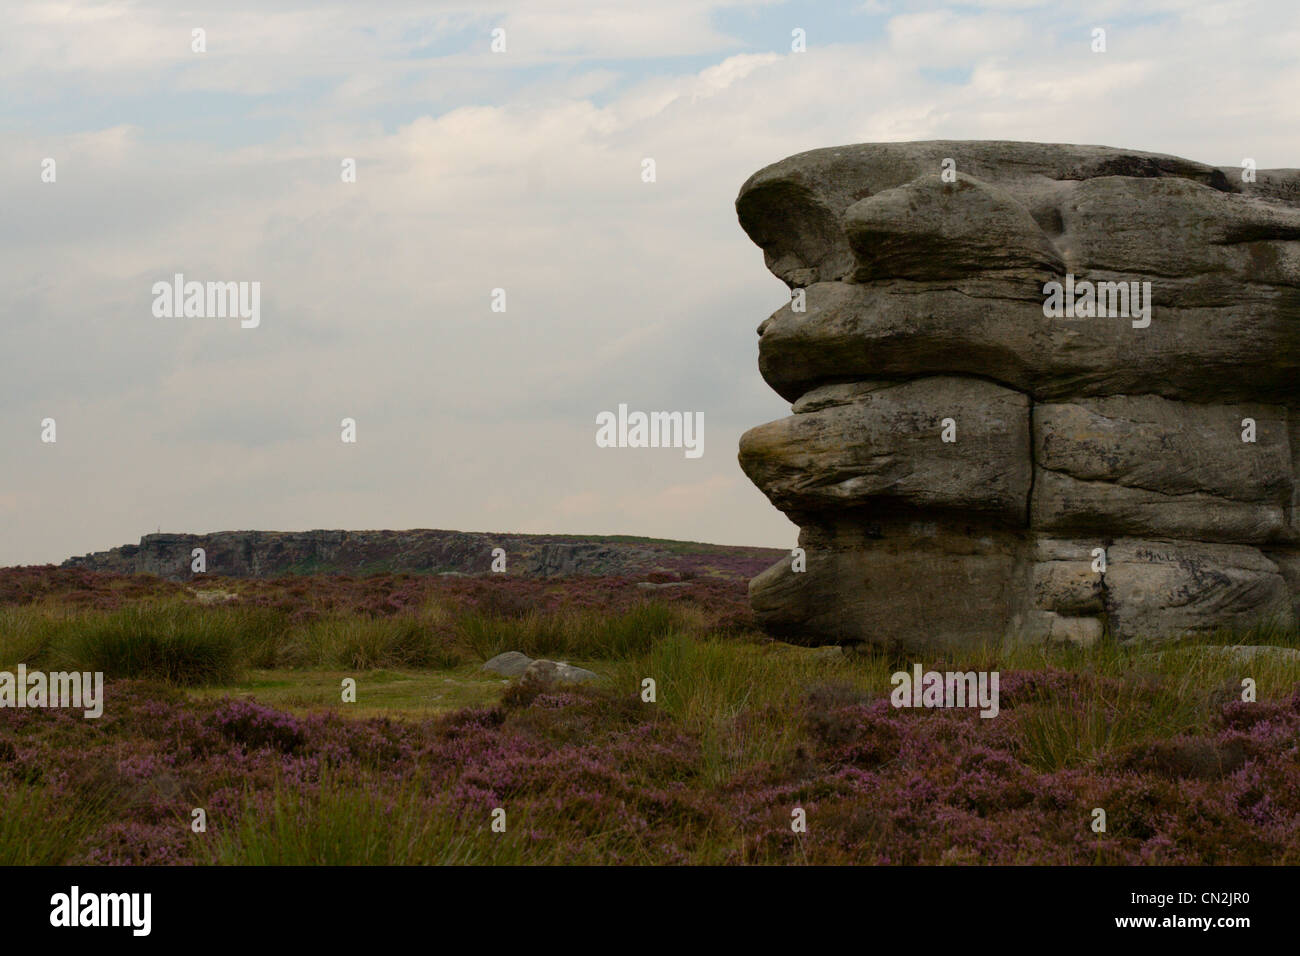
(1255, 652)
(884, 444)
(794, 209)
(1140, 464)
(916, 586)
(1240, 345)
(928, 229)
(1240, 653)
(1052, 628)
(920, 299)
(1143, 441)
(509, 664)
(570, 674)
(1066, 504)
(546, 674)
(1288, 565)
(1176, 227)
(1064, 578)
(1161, 589)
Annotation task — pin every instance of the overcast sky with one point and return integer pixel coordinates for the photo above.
(478, 170)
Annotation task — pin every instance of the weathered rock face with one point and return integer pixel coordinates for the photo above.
(966, 463)
(805, 463)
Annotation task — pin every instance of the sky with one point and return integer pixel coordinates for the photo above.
(478, 170)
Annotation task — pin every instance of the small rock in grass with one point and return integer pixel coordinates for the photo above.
(569, 674)
(1251, 652)
(1241, 653)
(509, 664)
(545, 673)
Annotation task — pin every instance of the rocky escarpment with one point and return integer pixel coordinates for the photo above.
(274, 553)
(967, 462)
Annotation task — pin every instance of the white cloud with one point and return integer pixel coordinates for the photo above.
(375, 295)
(941, 38)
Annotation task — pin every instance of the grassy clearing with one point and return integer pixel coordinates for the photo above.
(412, 694)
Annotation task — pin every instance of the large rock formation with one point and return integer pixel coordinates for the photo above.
(964, 464)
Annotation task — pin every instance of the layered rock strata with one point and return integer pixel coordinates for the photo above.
(967, 462)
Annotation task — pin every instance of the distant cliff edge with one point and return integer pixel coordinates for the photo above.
(263, 554)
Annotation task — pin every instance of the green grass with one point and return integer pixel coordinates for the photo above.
(742, 698)
(414, 694)
(340, 824)
(588, 635)
(191, 644)
(363, 643)
(174, 642)
(38, 830)
(1153, 694)
(343, 826)
(26, 635)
